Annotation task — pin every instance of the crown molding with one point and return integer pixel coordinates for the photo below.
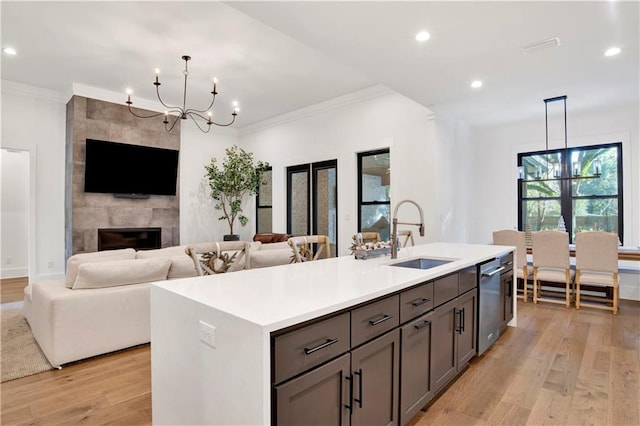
(32, 91)
(114, 97)
(335, 103)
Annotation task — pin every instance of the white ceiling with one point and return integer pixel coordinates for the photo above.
(276, 57)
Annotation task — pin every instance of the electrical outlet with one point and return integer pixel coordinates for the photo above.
(9, 260)
(208, 334)
(50, 264)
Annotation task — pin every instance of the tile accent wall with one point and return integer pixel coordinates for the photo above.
(86, 212)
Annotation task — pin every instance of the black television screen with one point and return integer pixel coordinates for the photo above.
(121, 168)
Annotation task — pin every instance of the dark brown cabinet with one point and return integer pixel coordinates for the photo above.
(506, 291)
(319, 397)
(361, 386)
(453, 337)
(375, 373)
(415, 361)
(380, 362)
(466, 334)
(444, 353)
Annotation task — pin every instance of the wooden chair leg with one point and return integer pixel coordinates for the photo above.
(577, 289)
(567, 289)
(524, 283)
(535, 285)
(615, 294)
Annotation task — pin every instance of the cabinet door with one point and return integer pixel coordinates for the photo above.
(443, 345)
(415, 364)
(466, 332)
(375, 368)
(506, 290)
(319, 397)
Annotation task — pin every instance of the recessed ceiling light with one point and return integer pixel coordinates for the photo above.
(612, 51)
(9, 50)
(423, 36)
(476, 84)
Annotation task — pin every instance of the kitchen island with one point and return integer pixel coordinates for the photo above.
(212, 337)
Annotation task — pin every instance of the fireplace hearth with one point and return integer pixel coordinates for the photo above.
(135, 238)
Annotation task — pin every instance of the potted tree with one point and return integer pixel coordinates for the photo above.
(238, 178)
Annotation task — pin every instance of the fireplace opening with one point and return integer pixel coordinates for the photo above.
(135, 238)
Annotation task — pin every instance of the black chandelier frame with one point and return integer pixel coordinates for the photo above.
(182, 112)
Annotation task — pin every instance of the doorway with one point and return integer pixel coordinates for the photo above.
(312, 200)
(14, 245)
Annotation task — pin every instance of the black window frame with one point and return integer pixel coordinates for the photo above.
(362, 203)
(260, 206)
(566, 192)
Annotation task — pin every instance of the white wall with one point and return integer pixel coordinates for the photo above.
(33, 120)
(14, 228)
(198, 218)
(339, 130)
(494, 150)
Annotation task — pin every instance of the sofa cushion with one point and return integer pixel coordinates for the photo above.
(181, 264)
(76, 260)
(121, 272)
(276, 246)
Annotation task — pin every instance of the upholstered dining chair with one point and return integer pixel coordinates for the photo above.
(511, 237)
(309, 247)
(551, 263)
(220, 256)
(597, 264)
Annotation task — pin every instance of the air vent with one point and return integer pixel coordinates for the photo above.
(540, 45)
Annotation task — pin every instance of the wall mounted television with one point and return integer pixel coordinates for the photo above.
(130, 170)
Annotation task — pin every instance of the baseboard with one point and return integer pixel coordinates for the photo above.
(14, 272)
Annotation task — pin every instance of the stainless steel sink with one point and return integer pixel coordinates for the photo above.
(422, 263)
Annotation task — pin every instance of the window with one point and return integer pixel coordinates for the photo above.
(544, 202)
(374, 204)
(264, 221)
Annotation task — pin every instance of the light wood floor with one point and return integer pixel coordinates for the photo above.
(12, 289)
(560, 366)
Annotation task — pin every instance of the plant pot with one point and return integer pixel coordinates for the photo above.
(231, 237)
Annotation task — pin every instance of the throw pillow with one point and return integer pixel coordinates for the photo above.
(76, 260)
(121, 272)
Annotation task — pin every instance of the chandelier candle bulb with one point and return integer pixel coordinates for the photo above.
(576, 168)
(215, 86)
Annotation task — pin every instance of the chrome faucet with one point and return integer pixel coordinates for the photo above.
(394, 229)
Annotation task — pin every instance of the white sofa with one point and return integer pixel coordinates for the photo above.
(102, 304)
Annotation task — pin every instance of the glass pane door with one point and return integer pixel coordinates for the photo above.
(298, 200)
(325, 194)
(312, 201)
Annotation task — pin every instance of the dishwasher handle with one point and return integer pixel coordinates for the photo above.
(492, 273)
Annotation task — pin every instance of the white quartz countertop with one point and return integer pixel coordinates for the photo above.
(281, 296)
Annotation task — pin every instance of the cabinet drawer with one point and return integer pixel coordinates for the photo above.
(468, 279)
(416, 301)
(302, 349)
(374, 319)
(445, 289)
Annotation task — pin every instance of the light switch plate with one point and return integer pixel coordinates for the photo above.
(208, 334)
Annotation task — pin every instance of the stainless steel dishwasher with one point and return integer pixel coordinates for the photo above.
(490, 304)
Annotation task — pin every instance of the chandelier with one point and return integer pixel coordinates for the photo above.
(562, 170)
(203, 118)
